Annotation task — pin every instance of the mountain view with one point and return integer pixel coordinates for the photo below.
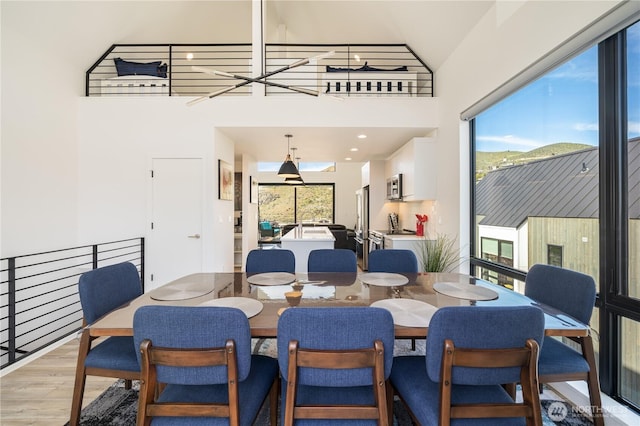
(487, 161)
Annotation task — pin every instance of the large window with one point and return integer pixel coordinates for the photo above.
(557, 171)
(283, 204)
(630, 330)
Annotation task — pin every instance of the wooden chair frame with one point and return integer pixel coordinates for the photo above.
(337, 359)
(82, 372)
(149, 387)
(526, 358)
(591, 377)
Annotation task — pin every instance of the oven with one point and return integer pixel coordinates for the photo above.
(376, 240)
(362, 251)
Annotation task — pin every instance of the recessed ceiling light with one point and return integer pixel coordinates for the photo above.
(189, 56)
(353, 149)
(347, 158)
(356, 57)
(362, 136)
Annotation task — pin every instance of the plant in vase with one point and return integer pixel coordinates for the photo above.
(438, 255)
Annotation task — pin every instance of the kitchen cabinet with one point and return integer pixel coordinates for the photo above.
(406, 242)
(417, 162)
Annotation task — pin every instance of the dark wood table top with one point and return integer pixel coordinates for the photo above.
(329, 289)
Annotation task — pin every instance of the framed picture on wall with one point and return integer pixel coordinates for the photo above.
(225, 181)
(253, 190)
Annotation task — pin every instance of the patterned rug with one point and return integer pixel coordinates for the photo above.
(118, 406)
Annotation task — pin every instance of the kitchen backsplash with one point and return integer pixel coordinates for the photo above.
(407, 214)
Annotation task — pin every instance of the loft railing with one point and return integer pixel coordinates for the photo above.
(353, 70)
(39, 301)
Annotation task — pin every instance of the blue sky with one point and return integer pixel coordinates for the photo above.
(561, 106)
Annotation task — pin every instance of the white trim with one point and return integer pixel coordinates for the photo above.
(614, 413)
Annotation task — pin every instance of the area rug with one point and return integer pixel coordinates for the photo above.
(118, 406)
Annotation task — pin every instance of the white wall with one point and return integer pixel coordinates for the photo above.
(46, 48)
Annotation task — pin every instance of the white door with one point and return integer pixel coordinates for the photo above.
(175, 243)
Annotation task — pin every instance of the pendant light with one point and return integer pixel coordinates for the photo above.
(295, 180)
(288, 169)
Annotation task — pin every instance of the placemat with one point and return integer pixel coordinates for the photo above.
(408, 312)
(465, 291)
(181, 291)
(383, 279)
(271, 278)
(250, 307)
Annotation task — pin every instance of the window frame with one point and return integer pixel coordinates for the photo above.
(612, 301)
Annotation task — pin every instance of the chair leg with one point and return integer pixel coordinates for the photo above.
(390, 394)
(81, 378)
(127, 384)
(273, 401)
(592, 381)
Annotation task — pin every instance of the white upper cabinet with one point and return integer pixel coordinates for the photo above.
(417, 163)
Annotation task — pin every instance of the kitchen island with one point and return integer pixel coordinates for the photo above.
(302, 241)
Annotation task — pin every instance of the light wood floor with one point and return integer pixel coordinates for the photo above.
(39, 393)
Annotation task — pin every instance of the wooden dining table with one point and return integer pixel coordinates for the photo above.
(328, 289)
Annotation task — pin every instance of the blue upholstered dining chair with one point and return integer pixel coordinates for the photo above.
(332, 260)
(467, 350)
(202, 356)
(334, 364)
(272, 260)
(393, 260)
(574, 294)
(102, 290)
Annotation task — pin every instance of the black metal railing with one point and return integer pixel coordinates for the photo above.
(102, 78)
(39, 302)
(352, 70)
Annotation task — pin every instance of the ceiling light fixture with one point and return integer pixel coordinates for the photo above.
(362, 136)
(288, 169)
(295, 180)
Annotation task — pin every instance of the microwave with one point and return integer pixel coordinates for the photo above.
(394, 187)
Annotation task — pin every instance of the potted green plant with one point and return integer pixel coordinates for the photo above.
(438, 255)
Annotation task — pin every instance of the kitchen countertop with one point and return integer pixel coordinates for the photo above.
(309, 233)
(403, 237)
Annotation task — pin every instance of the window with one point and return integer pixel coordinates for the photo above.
(557, 169)
(630, 288)
(282, 203)
(554, 255)
(326, 166)
(500, 252)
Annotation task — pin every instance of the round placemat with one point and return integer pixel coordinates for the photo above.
(408, 312)
(271, 278)
(250, 307)
(383, 279)
(182, 291)
(465, 291)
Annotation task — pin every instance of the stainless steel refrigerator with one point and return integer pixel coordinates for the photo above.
(362, 227)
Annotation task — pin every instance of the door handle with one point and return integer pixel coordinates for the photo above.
(196, 236)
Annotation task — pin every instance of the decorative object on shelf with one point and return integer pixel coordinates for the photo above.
(260, 79)
(438, 255)
(225, 181)
(288, 169)
(422, 219)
